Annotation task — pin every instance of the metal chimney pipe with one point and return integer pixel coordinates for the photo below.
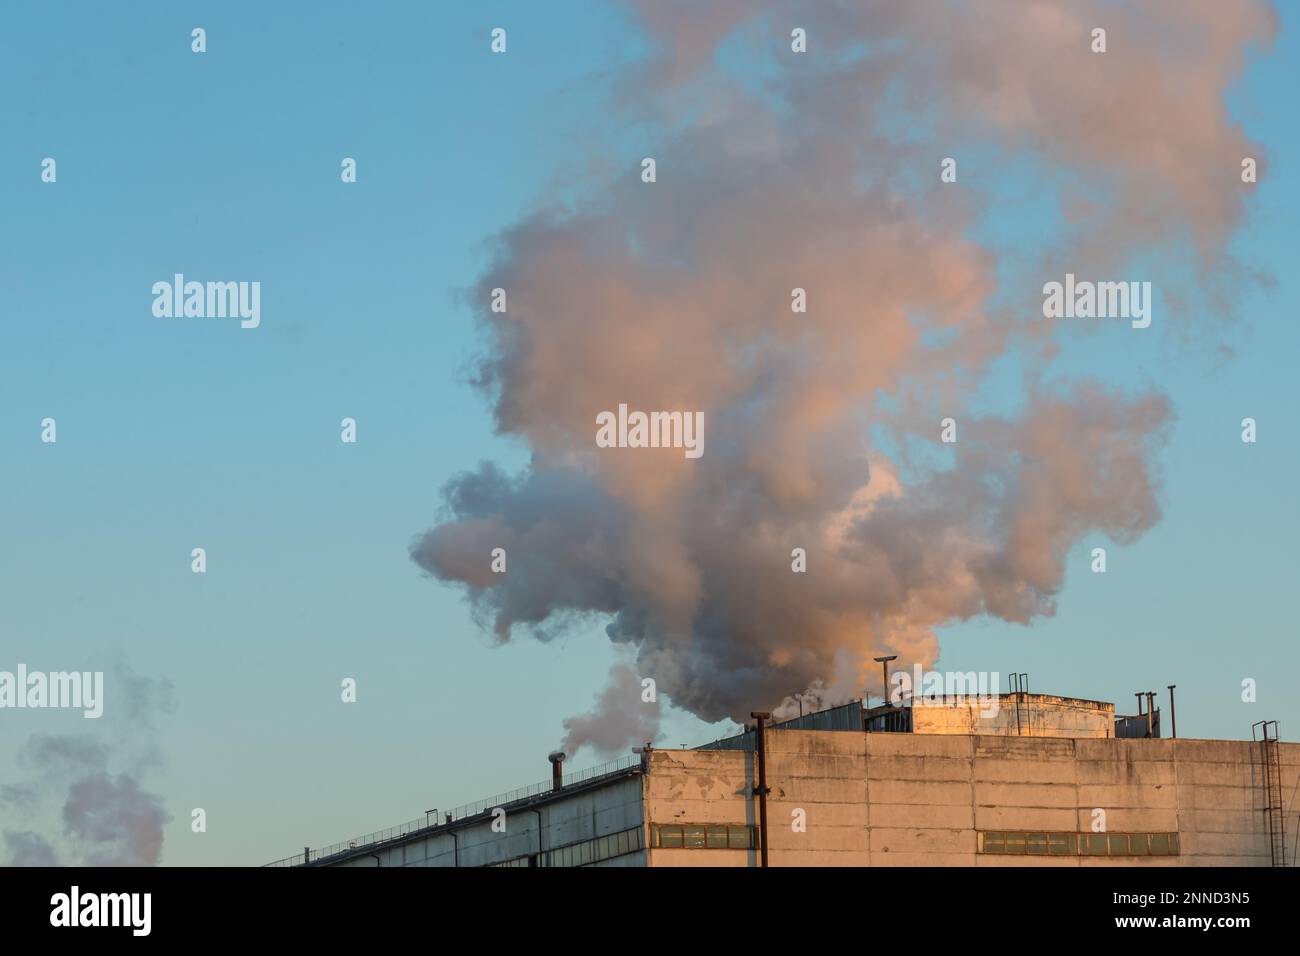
(1150, 712)
(1173, 716)
(556, 758)
(761, 791)
(884, 665)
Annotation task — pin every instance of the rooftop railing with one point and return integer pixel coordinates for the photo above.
(430, 821)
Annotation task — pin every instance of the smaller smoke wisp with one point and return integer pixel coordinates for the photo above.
(84, 803)
(613, 722)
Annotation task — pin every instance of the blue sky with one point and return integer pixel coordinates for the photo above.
(182, 434)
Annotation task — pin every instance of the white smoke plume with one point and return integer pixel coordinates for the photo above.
(823, 427)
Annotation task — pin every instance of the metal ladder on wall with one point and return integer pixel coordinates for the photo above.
(1019, 684)
(1271, 762)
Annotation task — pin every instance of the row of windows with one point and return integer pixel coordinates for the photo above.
(1022, 842)
(701, 836)
(584, 853)
(593, 851)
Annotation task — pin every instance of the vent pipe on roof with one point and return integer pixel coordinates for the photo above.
(884, 666)
(557, 769)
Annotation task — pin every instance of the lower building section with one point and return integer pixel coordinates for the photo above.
(908, 799)
(840, 798)
(596, 823)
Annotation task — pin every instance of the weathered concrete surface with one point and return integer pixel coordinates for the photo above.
(1037, 715)
(916, 799)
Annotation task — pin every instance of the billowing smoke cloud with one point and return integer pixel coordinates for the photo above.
(820, 171)
(85, 788)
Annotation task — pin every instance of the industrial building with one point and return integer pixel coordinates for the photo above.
(1009, 780)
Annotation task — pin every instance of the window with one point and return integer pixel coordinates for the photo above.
(1061, 844)
(740, 838)
(1047, 843)
(586, 852)
(702, 836)
(1164, 844)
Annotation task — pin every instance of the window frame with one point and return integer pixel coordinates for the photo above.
(1124, 844)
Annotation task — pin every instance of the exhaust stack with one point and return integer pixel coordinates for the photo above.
(556, 758)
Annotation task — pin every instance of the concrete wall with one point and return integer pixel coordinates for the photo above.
(703, 786)
(916, 799)
(1040, 716)
(583, 816)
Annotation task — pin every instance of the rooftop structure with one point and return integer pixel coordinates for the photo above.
(1025, 779)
